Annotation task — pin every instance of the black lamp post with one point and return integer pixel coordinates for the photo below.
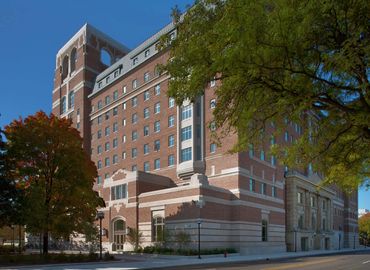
(100, 216)
(339, 240)
(354, 242)
(13, 237)
(295, 239)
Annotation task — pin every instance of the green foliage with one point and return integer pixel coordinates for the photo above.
(186, 252)
(306, 61)
(182, 238)
(364, 228)
(55, 174)
(135, 238)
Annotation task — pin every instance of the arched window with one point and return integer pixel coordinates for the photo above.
(65, 67)
(73, 59)
(71, 99)
(157, 229)
(105, 57)
(119, 233)
(63, 105)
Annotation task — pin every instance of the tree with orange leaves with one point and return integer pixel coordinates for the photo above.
(55, 173)
(364, 228)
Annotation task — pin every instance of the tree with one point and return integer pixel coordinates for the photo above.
(282, 61)
(135, 238)
(55, 173)
(364, 228)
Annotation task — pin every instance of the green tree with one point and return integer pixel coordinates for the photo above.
(135, 238)
(275, 60)
(55, 173)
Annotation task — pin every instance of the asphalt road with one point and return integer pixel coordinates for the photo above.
(348, 261)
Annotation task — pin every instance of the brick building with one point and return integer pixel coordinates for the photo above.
(159, 169)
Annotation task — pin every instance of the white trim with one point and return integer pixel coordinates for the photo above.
(257, 195)
(170, 201)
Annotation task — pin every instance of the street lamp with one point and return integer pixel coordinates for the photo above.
(339, 235)
(100, 216)
(200, 203)
(354, 242)
(295, 239)
(199, 224)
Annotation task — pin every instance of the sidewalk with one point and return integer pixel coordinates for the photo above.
(137, 261)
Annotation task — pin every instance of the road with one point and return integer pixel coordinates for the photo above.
(348, 261)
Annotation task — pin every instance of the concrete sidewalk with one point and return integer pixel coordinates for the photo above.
(137, 261)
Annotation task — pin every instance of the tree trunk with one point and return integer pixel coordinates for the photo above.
(45, 246)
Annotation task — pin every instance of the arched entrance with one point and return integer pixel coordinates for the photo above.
(119, 229)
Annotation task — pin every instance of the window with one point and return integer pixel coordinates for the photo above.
(134, 84)
(157, 145)
(124, 138)
(71, 100)
(99, 180)
(134, 118)
(263, 188)
(64, 105)
(313, 221)
(212, 104)
(157, 164)
(99, 149)
(146, 149)
(146, 131)
(106, 176)
(115, 143)
(134, 102)
(186, 112)
(212, 148)
(100, 84)
(213, 82)
(264, 230)
(212, 126)
(157, 89)
(186, 154)
(124, 106)
(171, 140)
(300, 197)
(171, 121)
(100, 104)
(146, 113)
(134, 135)
(118, 192)
(99, 164)
(115, 159)
(186, 133)
(115, 95)
(107, 131)
(73, 59)
(146, 76)
(273, 191)
(252, 185)
(157, 71)
(273, 160)
(147, 53)
(146, 166)
(146, 95)
(135, 61)
(300, 221)
(262, 155)
(312, 201)
(124, 122)
(134, 168)
(157, 107)
(100, 119)
(116, 73)
(157, 229)
(134, 152)
(107, 79)
(324, 205)
(107, 115)
(115, 111)
(107, 146)
(171, 102)
(286, 136)
(157, 126)
(124, 89)
(123, 155)
(107, 162)
(107, 100)
(115, 127)
(171, 160)
(99, 134)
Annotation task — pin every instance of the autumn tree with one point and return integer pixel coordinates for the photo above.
(55, 173)
(278, 62)
(364, 228)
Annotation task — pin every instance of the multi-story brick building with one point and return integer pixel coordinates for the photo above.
(159, 168)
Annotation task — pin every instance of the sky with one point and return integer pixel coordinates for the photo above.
(32, 32)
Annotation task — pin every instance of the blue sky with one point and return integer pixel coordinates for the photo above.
(32, 32)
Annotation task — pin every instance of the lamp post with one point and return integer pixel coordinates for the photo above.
(200, 203)
(354, 242)
(199, 224)
(100, 216)
(295, 239)
(339, 240)
(13, 237)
